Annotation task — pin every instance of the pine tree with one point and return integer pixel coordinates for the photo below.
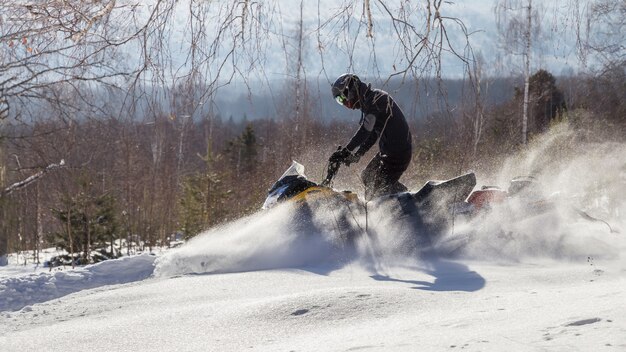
(88, 224)
(548, 100)
(242, 151)
(192, 210)
(248, 149)
(202, 198)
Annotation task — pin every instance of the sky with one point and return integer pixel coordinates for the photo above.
(336, 41)
(328, 51)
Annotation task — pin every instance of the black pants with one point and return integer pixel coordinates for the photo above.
(382, 174)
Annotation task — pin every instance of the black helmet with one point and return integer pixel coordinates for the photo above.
(346, 90)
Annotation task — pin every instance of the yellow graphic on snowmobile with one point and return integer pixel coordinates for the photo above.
(318, 193)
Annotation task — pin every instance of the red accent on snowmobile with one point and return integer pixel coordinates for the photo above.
(485, 198)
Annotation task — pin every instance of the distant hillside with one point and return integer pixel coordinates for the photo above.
(274, 100)
(418, 99)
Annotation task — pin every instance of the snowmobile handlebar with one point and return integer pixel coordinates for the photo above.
(331, 171)
(341, 156)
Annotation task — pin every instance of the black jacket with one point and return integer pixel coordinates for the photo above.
(381, 119)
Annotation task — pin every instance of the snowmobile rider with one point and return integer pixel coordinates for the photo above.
(382, 120)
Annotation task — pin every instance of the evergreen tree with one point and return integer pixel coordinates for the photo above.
(248, 149)
(88, 224)
(192, 209)
(242, 151)
(547, 99)
(202, 199)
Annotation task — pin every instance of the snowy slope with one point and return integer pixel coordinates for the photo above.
(254, 285)
(444, 306)
(20, 291)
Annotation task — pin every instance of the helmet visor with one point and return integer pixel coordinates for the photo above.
(341, 99)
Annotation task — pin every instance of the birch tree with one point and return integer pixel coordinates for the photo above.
(519, 25)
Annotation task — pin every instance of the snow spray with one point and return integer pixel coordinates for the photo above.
(268, 239)
(583, 181)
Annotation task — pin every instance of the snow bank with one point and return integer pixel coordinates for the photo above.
(22, 291)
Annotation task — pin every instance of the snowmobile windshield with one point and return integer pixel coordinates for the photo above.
(291, 182)
(296, 169)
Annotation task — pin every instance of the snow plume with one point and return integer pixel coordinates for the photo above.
(581, 186)
(499, 236)
(321, 236)
(389, 239)
(276, 238)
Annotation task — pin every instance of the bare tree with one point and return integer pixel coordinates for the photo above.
(477, 116)
(598, 26)
(67, 42)
(519, 24)
(30, 179)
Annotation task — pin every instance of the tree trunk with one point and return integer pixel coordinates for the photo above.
(39, 230)
(4, 240)
(3, 256)
(527, 75)
(300, 142)
(69, 234)
(87, 251)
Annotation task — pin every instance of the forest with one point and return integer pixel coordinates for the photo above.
(96, 161)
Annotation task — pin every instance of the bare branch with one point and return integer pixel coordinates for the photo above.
(24, 183)
(370, 24)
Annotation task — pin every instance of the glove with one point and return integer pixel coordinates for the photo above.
(343, 155)
(340, 155)
(351, 159)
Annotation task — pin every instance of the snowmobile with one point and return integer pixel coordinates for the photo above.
(432, 210)
(426, 212)
(294, 186)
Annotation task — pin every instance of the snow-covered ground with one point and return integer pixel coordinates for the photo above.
(447, 306)
(20, 291)
(253, 285)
